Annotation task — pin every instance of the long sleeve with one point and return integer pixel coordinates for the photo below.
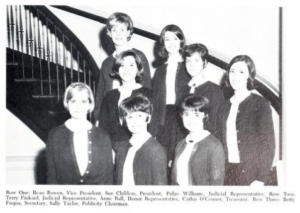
(266, 141)
(99, 96)
(217, 166)
(159, 167)
(51, 170)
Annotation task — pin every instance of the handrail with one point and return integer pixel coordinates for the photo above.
(48, 42)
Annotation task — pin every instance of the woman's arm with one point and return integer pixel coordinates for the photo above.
(266, 140)
(217, 166)
(51, 170)
(159, 167)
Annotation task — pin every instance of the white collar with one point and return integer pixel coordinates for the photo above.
(84, 126)
(138, 141)
(197, 81)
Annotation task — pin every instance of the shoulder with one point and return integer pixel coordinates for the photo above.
(212, 142)
(112, 93)
(257, 102)
(110, 59)
(62, 129)
(212, 85)
(153, 145)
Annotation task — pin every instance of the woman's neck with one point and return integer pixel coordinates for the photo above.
(198, 135)
(200, 78)
(78, 124)
(122, 48)
(130, 85)
(174, 57)
(240, 95)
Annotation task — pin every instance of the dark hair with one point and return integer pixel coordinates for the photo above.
(120, 18)
(196, 48)
(119, 61)
(196, 103)
(137, 103)
(162, 52)
(251, 68)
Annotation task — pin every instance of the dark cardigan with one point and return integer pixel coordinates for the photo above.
(62, 167)
(149, 164)
(255, 135)
(109, 116)
(105, 81)
(159, 88)
(206, 164)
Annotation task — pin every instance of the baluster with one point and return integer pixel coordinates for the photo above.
(34, 35)
(71, 54)
(26, 30)
(78, 59)
(31, 41)
(64, 62)
(17, 29)
(22, 39)
(39, 48)
(43, 42)
(56, 62)
(8, 27)
(84, 72)
(48, 55)
(12, 24)
(90, 78)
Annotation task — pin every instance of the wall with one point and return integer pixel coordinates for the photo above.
(23, 148)
(226, 31)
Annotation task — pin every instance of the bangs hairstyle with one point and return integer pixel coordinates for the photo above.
(196, 48)
(78, 87)
(162, 52)
(195, 103)
(120, 18)
(138, 103)
(251, 68)
(119, 61)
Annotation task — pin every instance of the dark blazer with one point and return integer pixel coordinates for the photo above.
(62, 167)
(105, 81)
(109, 115)
(206, 165)
(149, 164)
(255, 134)
(159, 88)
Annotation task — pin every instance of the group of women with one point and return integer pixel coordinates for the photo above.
(239, 129)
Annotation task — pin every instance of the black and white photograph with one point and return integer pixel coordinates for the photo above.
(122, 107)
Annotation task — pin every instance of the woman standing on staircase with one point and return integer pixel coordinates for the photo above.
(78, 152)
(168, 81)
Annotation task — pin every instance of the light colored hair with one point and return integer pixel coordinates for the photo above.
(76, 87)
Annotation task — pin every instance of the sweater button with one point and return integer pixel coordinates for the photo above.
(90, 161)
(81, 181)
(90, 152)
(87, 172)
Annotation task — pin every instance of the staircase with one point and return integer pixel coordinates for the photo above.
(43, 58)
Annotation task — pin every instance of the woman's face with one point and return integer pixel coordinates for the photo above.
(128, 69)
(119, 34)
(79, 105)
(239, 75)
(194, 64)
(193, 121)
(172, 42)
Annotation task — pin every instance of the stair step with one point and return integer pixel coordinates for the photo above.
(36, 80)
(12, 63)
(47, 96)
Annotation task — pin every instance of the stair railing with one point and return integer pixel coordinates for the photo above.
(37, 32)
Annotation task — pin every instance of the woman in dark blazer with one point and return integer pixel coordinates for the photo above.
(167, 83)
(246, 128)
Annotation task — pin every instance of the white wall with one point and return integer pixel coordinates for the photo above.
(22, 148)
(226, 31)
